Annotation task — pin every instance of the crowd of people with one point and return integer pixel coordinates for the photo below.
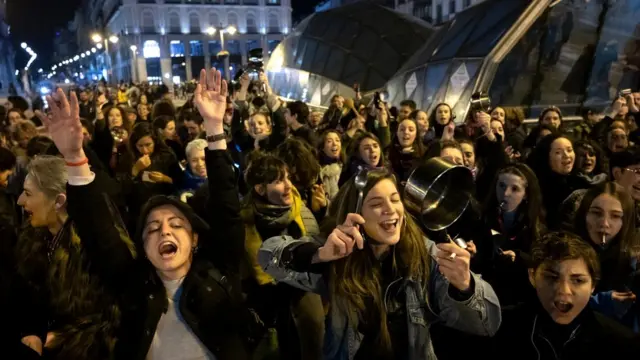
(240, 226)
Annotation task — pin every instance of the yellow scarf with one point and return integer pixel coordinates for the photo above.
(253, 240)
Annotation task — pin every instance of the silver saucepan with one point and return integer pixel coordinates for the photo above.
(438, 192)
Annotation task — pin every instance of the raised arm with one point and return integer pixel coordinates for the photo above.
(223, 205)
(94, 215)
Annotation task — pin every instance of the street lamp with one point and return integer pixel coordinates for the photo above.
(134, 50)
(231, 30)
(98, 39)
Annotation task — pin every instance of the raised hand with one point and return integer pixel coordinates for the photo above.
(453, 263)
(449, 131)
(64, 125)
(210, 99)
(342, 240)
(318, 198)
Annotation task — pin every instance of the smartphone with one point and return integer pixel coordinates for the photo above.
(624, 92)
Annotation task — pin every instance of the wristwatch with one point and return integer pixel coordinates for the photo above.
(216, 138)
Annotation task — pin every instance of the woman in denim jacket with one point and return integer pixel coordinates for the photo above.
(386, 283)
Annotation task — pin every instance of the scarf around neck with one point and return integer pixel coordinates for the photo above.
(273, 217)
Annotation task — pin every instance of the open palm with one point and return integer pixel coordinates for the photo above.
(211, 97)
(64, 125)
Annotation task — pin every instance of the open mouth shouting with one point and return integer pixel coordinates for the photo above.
(563, 307)
(167, 249)
(389, 226)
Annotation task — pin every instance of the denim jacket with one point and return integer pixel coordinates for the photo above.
(479, 315)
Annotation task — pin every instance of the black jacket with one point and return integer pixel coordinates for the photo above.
(527, 332)
(211, 299)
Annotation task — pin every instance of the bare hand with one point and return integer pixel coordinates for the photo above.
(510, 254)
(245, 81)
(318, 198)
(453, 263)
(159, 177)
(263, 78)
(143, 163)
(34, 343)
(631, 102)
(64, 125)
(617, 105)
(383, 115)
(51, 337)
(210, 99)
(449, 131)
(341, 241)
(483, 120)
(512, 154)
(623, 297)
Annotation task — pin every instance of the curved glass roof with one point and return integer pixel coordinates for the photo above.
(446, 68)
(578, 53)
(360, 43)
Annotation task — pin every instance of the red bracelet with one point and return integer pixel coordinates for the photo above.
(79, 163)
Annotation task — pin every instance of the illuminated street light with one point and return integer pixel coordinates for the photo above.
(93, 50)
(76, 58)
(210, 31)
(96, 38)
(40, 71)
(87, 52)
(99, 46)
(114, 39)
(82, 55)
(231, 30)
(133, 48)
(23, 45)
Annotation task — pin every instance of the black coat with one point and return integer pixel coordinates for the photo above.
(211, 299)
(527, 332)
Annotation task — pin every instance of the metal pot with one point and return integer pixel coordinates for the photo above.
(438, 193)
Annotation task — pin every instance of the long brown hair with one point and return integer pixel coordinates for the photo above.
(532, 207)
(355, 283)
(629, 246)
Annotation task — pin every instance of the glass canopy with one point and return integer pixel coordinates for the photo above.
(360, 43)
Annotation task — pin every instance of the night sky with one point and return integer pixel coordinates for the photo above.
(35, 22)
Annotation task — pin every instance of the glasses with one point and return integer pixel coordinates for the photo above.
(635, 171)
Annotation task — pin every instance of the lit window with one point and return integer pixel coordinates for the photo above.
(151, 49)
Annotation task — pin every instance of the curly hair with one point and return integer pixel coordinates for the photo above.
(301, 160)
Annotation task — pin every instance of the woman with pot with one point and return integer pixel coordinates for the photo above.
(387, 283)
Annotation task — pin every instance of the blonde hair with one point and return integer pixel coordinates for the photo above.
(24, 127)
(197, 144)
